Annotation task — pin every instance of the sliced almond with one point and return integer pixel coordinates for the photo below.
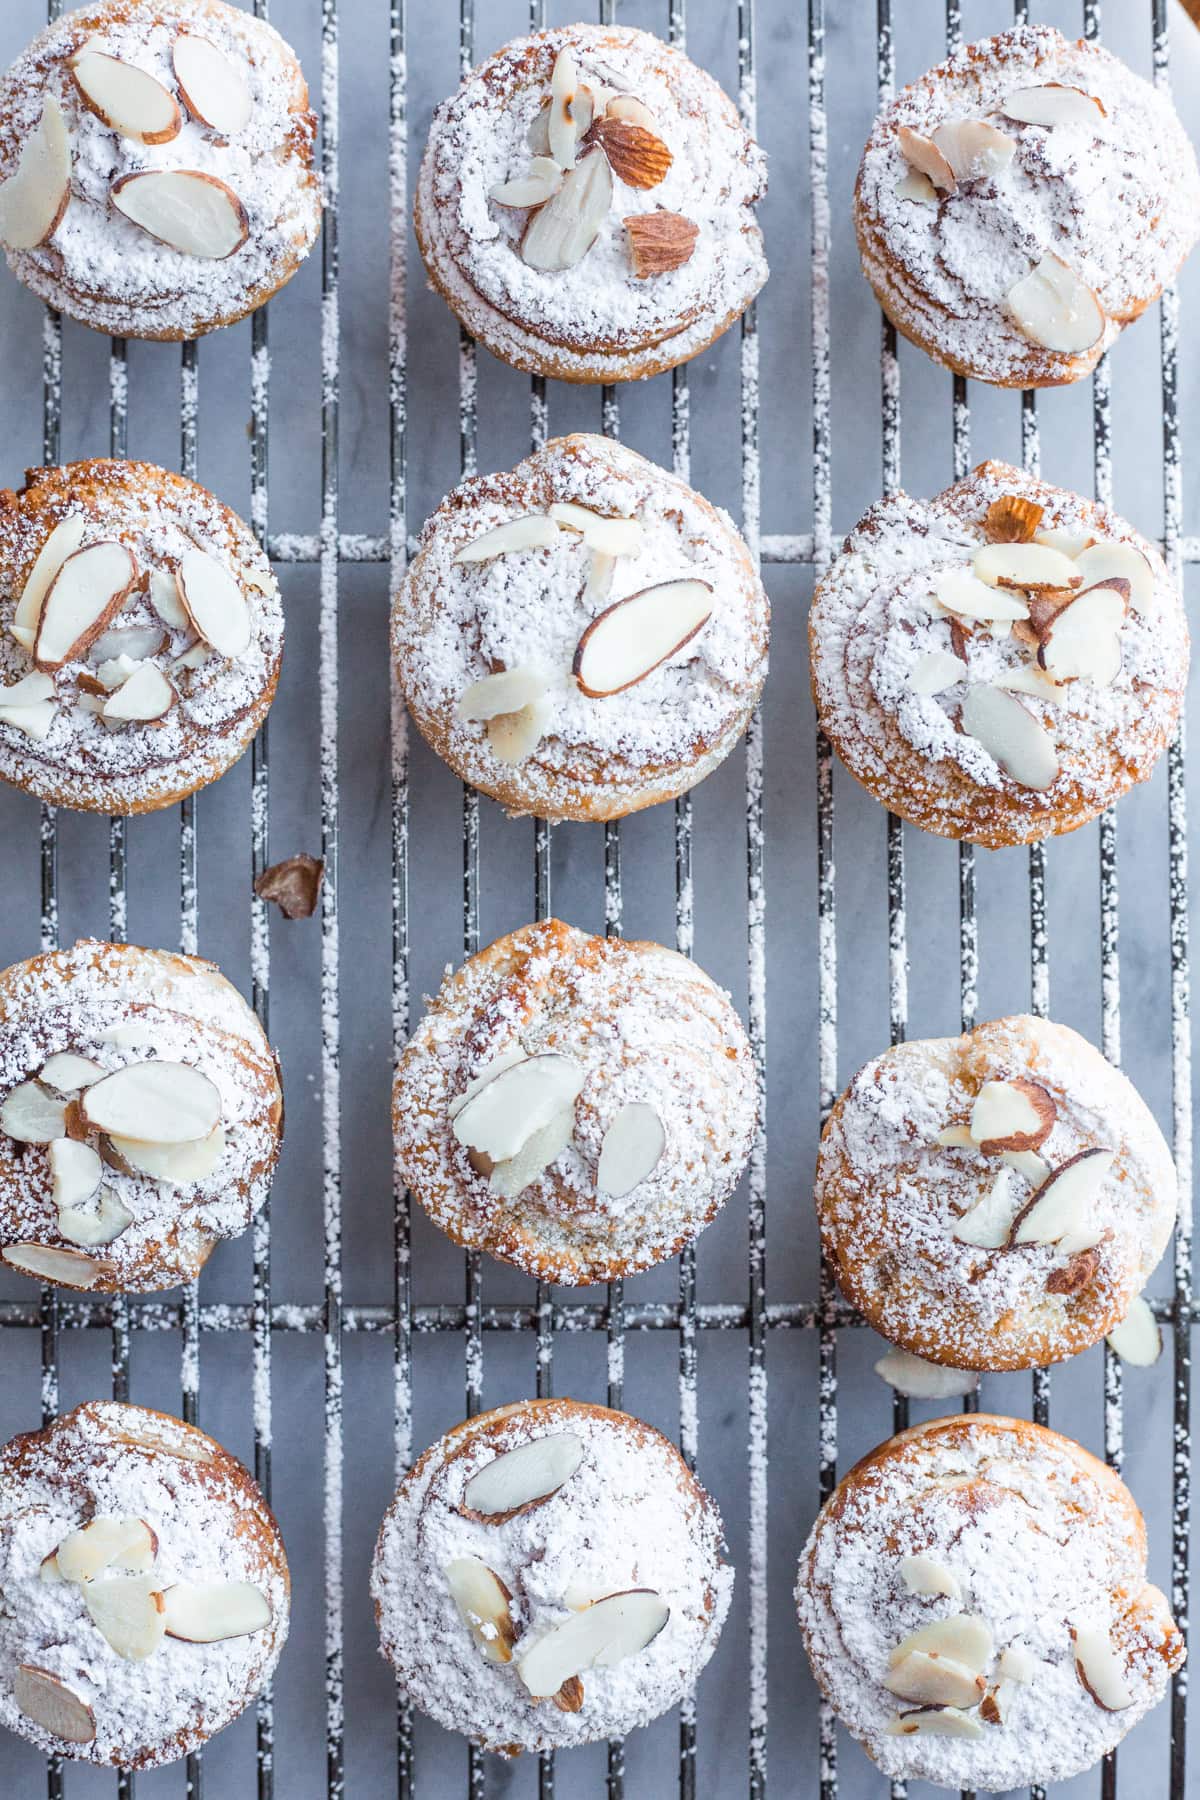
(922, 1575)
(560, 234)
(63, 541)
(917, 186)
(1032, 681)
(518, 1480)
(601, 569)
(163, 592)
(36, 195)
(934, 1721)
(94, 1225)
(1012, 1115)
(608, 536)
(533, 189)
(209, 1612)
(935, 671)
(1025, 565)
(34, 717)
(631, 1150)
(1083, 642)
(1071, 543)
(157, 1102)
(513, 737)
(506, 1060)
(1054, 104)
(513, 1176)
(1012, 519)
(109, 676)
(107, 1542)
(482, 1601)
(1055, 309)
(194, 213)
(75, 1172)
(1011, 735)
(1064, 1200)
(125, 98)
(134, 642)
(32, 1116)
(50, 1703)
(505, 692)
(145, 697)
(988, 1223)
(1138, 1338)
(612, 1629)
(964, 1637)
(91, 585)
(195, 658)
(639, 157)
(532, 531)
(561, 126)
(69, 1268)
(1109, 559)
(921, 1380)
(923, 155)
(24, 635)
(955, 1137)
(974, 149)
(67, 1073)
(180, 1165)
(1016, 1664)
(504, 1114)
(213, 90)
(128, 1611)
(629, 640)
(962, 592)
(1027, 1164)
(1100, 1670)
(214, 603)
(934, 1681)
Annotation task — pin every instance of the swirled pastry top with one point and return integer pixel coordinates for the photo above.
(187, 191)
(141, 631)
(1001, 661)
(133, 1198)
(1026, 1558)
(622, 1113)
(596, 1506)
(636, 732)
(994, 1201)
(109, 1511)
(677, 154)
(1048, 155)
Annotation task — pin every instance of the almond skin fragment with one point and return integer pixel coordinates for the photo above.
(1012, 520)
(1079, 1271)
(638, 157)
(660, 242)
(569, 1698)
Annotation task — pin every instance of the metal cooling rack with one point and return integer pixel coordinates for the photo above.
(548, 1315)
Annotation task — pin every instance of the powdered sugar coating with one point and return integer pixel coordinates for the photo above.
(888, 1197)
(645, 1025)
(1040, 1537)
(630, 1516)
(101, 268)
(160, 517)
(874, 616)
(212, 1525)
(1117, 198)
(454, 623)
(118, 1005)
(598, 320)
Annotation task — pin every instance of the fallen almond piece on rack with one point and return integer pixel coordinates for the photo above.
(70, 1267)
(1138, 1338)
(294, 885)
(921, 1380)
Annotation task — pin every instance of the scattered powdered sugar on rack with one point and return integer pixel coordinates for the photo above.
(880, 1160)
(99, 266)
(1117, 198)
(875, 616)
(600, 310)
(211, 1526)
(160, 517)
(646, 1026)
(1038, 1538)
(455, 623)
(119, 1005)
(629, 1517)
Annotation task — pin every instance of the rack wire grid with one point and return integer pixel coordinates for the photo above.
(690, 1345)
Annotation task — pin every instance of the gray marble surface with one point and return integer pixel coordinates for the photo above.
(651, 1387)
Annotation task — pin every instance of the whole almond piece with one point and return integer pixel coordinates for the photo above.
(1012, 520)
(660, 242)
(638, 157)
